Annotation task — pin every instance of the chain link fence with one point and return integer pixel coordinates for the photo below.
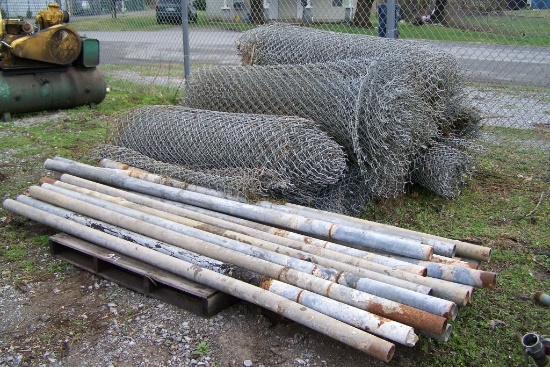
(462, 75)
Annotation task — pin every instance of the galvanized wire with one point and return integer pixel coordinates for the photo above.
(290, 150)
(379, 117)
(250, 183)
(435, 73)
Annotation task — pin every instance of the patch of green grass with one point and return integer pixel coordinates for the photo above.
(16, 252)
(491, 29)
(496, 209)
(146, 21)
(203, 348)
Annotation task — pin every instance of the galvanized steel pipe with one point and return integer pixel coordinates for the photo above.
(376, 272)
(377, 325)
(347, 334)
(393, 310)
(456, 293)
(233, 229)
(441, 245)
(263, 250)
(457, 274)
(381, 242)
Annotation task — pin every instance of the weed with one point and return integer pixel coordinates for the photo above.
(202, 349)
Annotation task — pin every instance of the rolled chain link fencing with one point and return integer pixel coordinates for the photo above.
(278, 155)
(487, 52)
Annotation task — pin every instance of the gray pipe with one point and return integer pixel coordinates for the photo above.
(441, 245)
(361, 319)
(381, 242)
(535, 349)
(263, 250)
(457, 293)
(392, 310)
(457, 274)
(175, 208)
(326, 325)
(87, 187)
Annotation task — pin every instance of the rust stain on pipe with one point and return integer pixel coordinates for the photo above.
(266, 284)
(414, 317)
(47, 180)
(488, 279)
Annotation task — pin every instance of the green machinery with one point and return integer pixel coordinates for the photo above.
(47, 66)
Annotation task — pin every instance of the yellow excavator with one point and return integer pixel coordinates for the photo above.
(47, 66)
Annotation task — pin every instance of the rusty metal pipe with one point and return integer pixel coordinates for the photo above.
(442, 246)
(85, 186)
(361, 319)
(340, 331)
(376, 272)
(405, 314)
(151, 177)
(301, 261)
(459, 294)
(381, 242)
(457, 274)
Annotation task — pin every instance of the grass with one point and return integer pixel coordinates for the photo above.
(147, 22)
(525, 28)
(503, 207)
(69, 133)
(498, 209)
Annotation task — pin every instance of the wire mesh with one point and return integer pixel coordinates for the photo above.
(382, 119)
(290, 151)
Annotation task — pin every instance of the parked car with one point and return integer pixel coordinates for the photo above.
(169, 11)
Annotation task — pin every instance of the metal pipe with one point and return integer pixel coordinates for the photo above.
(444, 337)
(439, 247)
(542, 298)
(326, 325)
(441, 244)
(151, 177)
(79, 185)
(376, 272)
(307, 263)
(535, 349)
(456, 274)
(454, 261)
(326, 249)
(408, 315)
(361, 319)
(144, 175)
(381, 242)
(459, 294)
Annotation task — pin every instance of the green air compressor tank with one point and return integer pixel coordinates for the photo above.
(50, 90)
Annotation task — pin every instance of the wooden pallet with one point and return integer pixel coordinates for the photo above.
(139, 276)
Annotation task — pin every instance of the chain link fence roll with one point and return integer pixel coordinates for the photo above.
(378, 117)
(248, 183)
(436, 73)
(293, 147)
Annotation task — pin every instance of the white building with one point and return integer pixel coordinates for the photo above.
(330, 11)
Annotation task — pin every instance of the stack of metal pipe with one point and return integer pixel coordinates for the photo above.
(365, 284)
